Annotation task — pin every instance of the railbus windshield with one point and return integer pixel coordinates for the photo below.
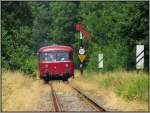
(54, 56)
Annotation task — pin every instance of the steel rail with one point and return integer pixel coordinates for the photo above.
(56, 100)
(95, 104)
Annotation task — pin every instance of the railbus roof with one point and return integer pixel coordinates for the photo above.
(55, 48)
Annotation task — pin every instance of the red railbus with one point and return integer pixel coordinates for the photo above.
(55, 62)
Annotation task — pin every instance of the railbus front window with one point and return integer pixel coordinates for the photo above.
(62, 56)
(54, 56)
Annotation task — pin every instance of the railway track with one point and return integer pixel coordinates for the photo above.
(56, 100)
(90, 100)
(58, 105)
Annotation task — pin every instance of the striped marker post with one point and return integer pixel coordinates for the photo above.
(100, 60)
(139, 56)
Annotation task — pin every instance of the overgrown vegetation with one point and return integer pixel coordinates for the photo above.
(12, 82)
(131, 85)
(119, 90)
(115, 28)
(21, 93)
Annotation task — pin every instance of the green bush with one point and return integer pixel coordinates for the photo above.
(30, 65)
(136, 88)
(115, 55)
(91, 61)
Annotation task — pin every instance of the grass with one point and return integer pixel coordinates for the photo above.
(136, 88)
(129, 85)
(120, 90)
(20, 92)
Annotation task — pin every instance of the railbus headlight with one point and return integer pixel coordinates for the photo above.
(46, 66)
(67, 65)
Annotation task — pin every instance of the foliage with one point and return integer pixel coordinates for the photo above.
(16, 35)
(115, 28)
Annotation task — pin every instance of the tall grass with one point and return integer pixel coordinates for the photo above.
(129, 85)
(16, 91)
(119, 90)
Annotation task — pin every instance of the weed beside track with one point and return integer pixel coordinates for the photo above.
(105, 86)
(23, 93)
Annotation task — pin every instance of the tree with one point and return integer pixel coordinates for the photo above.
(115, 27)
(16, 34)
